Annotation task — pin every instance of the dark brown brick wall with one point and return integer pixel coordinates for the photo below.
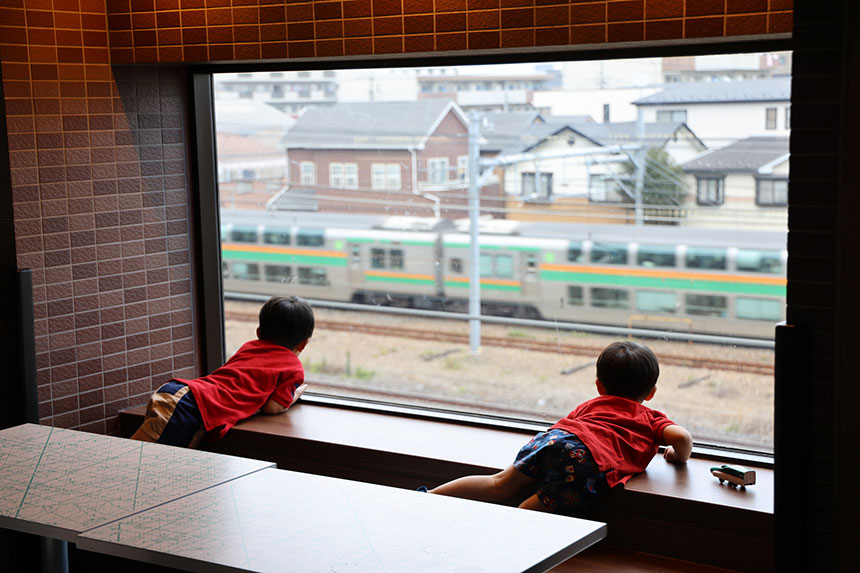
(147, 31)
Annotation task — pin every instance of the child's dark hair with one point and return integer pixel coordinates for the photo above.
(628, 369)
(286, 321)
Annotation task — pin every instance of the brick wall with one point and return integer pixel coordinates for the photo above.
(99, 185)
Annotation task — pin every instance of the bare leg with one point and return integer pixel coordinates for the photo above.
(494, 488)
(533, 503)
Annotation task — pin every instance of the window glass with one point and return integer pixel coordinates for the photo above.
(575, 252)
(277, 273)
(609, 253)
(656, 301)
(705, 258)
(575, 295)
(759, 308)
(310, 238)
(609, 298)
(377, 258)
(245, 271)
(759, 261)
(312, 276)
(587, 232)
(707, 305)
(656, 256)
(244, 235)
(276, 236)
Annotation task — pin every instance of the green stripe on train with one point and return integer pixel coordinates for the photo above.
(514, 288)
(666, 283)
(283, 258)
(401, 280)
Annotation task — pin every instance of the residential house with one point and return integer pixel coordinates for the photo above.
(287, 91)
(396, 158)
(722, 112)
(745, 183)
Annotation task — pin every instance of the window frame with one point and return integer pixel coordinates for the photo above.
(205, 205)
(720, 191)
(759, 183)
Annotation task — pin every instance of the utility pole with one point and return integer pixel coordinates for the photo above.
(474, 239)
(639, 163)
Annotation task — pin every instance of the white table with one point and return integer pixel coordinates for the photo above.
(277, 520)
(57, 483)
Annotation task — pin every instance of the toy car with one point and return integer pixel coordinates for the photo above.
(735, 475)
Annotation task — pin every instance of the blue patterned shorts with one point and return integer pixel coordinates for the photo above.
(570, 477)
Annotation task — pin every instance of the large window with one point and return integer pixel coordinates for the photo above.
(664, 222)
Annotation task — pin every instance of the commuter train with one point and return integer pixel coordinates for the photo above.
(728, 283)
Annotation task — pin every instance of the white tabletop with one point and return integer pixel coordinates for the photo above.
(277, 520)
(57, 483)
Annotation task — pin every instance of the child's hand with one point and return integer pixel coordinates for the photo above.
(669, 456)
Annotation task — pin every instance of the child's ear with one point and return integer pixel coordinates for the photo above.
(258, 332)
(301, 345)
(600, 389)
(650, 394)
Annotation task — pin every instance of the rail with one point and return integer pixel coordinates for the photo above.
(547, 324)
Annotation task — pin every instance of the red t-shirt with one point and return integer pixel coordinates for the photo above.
(258, 371)
(621, 434)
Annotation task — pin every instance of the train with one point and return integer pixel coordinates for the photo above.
(726, 283)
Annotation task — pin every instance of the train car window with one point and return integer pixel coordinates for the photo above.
(575, 252)
(245, 271)
(455, 265)
(706, 305)
(312, 276)
(240, 235)
(276, 237)
(759, 261)
(310, 238)
(609, 253)
(575, 295)
(602, 297)
(377, 258)
(504, 266)
(705, 258)
(277, 273)
(355, 253)
(759, 308)
(225, 270)
(486, 265)
(656, 301)
(656, 256)
(395, 258)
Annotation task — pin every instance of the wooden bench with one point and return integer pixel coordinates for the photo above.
(720, 526)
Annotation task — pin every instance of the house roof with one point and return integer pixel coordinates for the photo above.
(748, 155)
(245, 117)
(773, 89)
(657, 134)
(500, 130)
(392, 125)
(231, 145)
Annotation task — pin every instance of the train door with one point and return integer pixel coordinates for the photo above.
(529, 267)
(356, 267)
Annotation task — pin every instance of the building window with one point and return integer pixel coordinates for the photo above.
(343, 175)
(709, 190)
(462, 167)
(770, 118)
(771, 192)
(788, 117)
(308, 173)
(671, 116)
(528, 184)
(385, 176)
(437, 170)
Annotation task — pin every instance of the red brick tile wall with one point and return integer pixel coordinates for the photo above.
(148, 31)
(100, 211)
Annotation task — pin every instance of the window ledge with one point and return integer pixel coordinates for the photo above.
(408, 451)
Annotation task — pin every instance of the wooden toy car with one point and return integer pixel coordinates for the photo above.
(735, 475)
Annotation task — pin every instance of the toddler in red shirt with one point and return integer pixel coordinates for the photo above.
(263, 375)
(602, 443)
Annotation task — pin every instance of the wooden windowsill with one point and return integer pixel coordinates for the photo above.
(404, 451)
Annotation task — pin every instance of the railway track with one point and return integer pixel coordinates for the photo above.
(518, 343)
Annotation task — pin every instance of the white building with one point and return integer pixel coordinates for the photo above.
(723, 112)
(289, 92)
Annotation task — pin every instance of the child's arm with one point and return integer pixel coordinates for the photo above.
(273, 407)
(680, 444)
